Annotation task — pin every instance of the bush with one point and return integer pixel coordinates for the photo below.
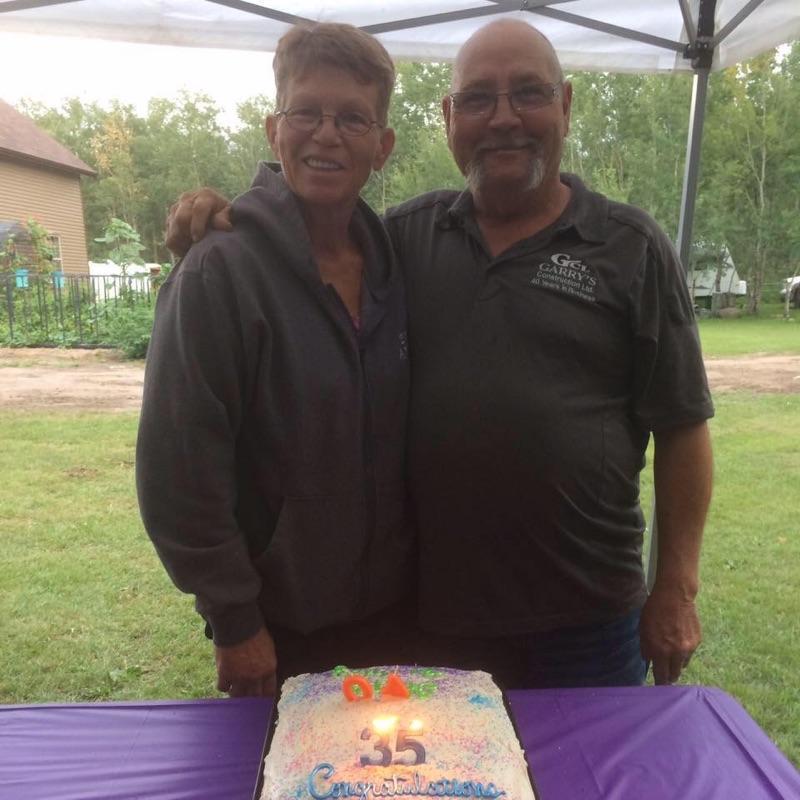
(129, 329)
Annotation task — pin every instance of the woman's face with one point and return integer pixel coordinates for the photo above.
(326, 167)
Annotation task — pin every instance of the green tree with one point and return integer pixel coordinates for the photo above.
(421, 160)
(248, 142)
(124, 244)
(628, 137)
(77, 127)
(181, 145)
(753, 169)
(118, 189)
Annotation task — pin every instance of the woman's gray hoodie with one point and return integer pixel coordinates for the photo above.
(270, 456)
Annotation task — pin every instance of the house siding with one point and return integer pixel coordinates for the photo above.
(53, 199)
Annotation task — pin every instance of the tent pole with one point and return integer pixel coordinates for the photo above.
(701, 51)
(697, 117)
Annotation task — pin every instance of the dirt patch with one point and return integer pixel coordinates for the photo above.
(99, 380)
(754, 373)
(74, 380)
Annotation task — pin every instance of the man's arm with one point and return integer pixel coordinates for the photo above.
(191, 217)
(670, 628)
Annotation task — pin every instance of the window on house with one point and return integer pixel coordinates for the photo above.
(54, 240)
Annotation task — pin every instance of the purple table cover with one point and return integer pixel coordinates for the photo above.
(653, 743)
(193, 750)
(648, 743)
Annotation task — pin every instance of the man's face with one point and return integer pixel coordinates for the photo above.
(506, 150)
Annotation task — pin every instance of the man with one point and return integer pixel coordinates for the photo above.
(550, 334)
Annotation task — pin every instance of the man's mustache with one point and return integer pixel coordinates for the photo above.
(508, 143)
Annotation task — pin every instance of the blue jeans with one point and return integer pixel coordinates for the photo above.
(606, 654)
(592, 655)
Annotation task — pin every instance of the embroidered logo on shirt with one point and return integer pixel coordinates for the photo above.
(563, 273)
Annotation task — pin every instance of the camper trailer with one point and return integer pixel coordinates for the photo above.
(714, 281)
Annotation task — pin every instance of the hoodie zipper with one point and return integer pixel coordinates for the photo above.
(370, 488)
(368, 456)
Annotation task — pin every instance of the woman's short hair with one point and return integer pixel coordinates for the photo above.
(334, 45)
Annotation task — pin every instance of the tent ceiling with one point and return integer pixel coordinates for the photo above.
(613, 35)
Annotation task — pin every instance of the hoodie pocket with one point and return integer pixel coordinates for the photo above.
(310, 570)
(319, 562)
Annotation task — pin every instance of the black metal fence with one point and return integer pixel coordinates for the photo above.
(69, 310)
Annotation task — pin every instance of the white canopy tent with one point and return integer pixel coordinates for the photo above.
(613, 35)
(601, 35)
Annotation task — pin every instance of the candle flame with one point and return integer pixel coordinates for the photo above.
(384, 724)
(415, 726)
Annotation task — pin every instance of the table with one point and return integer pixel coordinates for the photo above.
(648, 743)
(191, 750)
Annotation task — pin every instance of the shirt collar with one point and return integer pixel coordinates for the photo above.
(586, 211)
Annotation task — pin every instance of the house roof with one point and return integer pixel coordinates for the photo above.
(20, 137)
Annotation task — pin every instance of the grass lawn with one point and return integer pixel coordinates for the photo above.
(87, 611)
(768, 332)
(89, 614)
(749, 601)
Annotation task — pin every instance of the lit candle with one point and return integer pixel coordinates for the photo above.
(381, 753)
(384, 725)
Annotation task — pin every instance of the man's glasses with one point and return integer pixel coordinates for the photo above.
(348, 123)
(482, 103)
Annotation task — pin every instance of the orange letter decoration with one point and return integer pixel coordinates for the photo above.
(394, 688)
(349, 685)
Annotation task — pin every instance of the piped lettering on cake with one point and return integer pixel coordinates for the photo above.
(480, 700)
(321, 786)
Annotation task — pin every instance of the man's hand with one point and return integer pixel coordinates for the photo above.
(189, 219)
(670, 632)
(247, 669)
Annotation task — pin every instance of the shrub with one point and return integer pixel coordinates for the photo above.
(129, 329)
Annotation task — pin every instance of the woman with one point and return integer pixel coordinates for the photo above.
(270, 452)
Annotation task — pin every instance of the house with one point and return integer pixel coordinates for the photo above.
(40, 180)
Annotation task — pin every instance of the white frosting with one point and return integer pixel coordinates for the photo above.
(470, 748)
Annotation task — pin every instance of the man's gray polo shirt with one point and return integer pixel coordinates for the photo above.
(537, 377)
